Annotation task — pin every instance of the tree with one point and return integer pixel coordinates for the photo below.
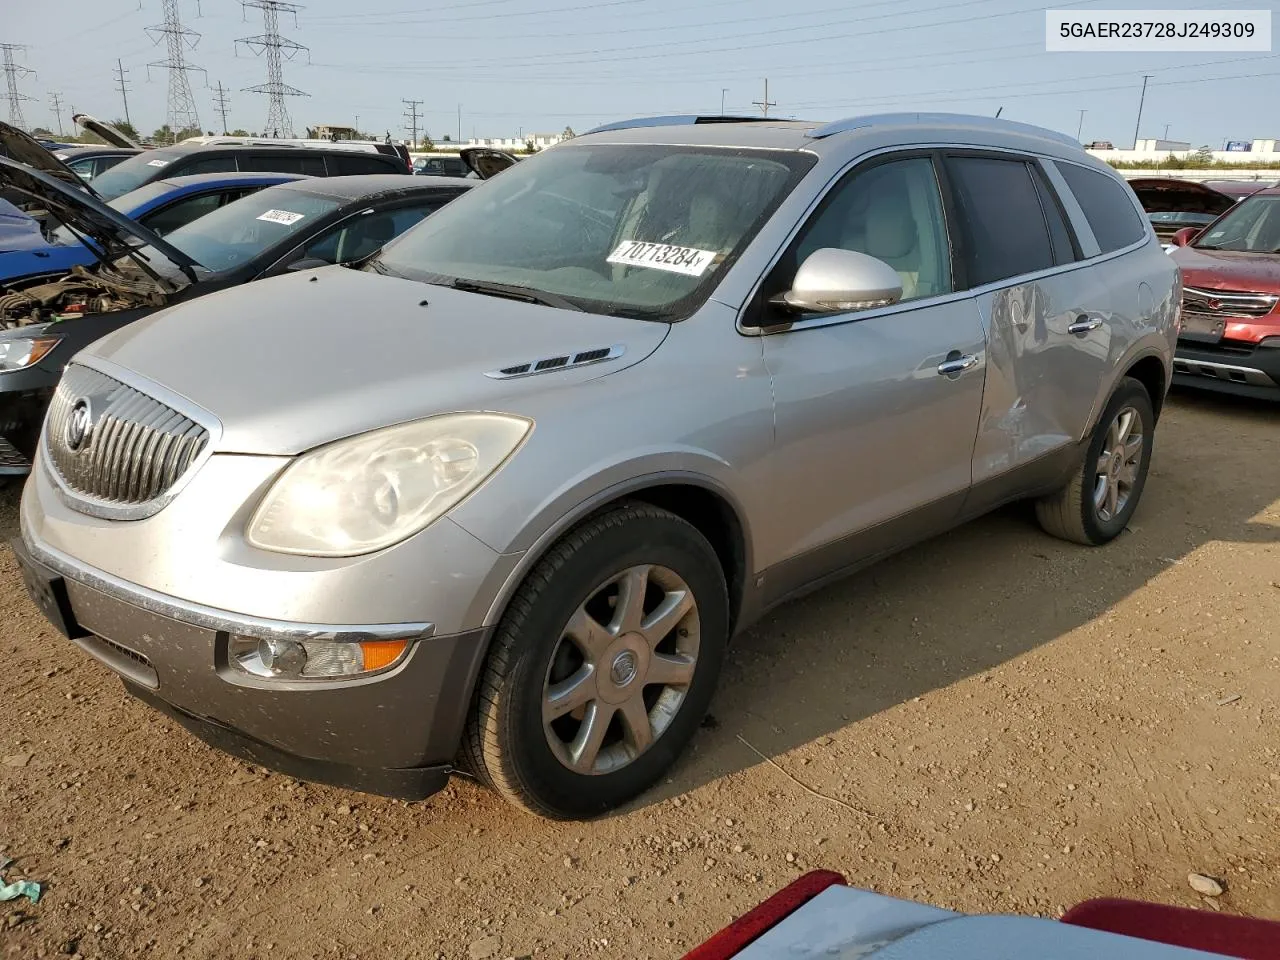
(188, 132)
(568, 134)
(41, 133)
(530, 147)
(447, 139)
(238, 132)
(163, 134)
(427, 144)
(1204, 155)
(127, 128)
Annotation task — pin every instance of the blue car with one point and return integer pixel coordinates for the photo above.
(161, 206)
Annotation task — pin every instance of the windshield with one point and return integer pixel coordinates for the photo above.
(237, 233)
(639, 231)
(132, 173)
(126, 204)
(1251, 226)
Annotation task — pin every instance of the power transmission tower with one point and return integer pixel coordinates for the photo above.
(766, 103)
(181, 113)
(275, 47)
(121, 73)
(12, 71)
(221, 101)
(412, 117)
(56, 100)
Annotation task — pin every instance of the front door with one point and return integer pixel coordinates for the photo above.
(876, 411)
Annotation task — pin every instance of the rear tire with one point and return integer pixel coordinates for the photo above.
(603, 665)
(1097, 503)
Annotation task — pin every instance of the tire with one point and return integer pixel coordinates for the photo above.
(1074, 512)
(538, 664)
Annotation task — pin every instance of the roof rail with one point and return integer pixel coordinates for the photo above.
(672, 121)
(956, 119)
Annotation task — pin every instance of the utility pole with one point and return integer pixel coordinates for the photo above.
(56, 99)
(459, 123)
(766, 103)
(12, 71)
(221, 101)
(121, 72)
(275, 47)
(181, 113)
(1166, 130)
(723, 91)
(412, 116)
(1141, 101)
(1080, 125)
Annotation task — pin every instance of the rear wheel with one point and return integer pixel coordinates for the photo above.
(603, 665)
(1095, 506)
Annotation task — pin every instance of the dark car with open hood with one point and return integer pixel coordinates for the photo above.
(1172, 204)
(294, 226)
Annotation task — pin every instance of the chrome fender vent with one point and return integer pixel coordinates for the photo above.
(548, 364)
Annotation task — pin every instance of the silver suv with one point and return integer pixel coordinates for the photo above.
(504, 492)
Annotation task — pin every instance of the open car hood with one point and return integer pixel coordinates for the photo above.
(114, 233)
(486, 162)
(1167, 195)
(104, 130)
(26, 149)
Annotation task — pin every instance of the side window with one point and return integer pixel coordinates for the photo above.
(86, 169)
(1001, 211)
(179, 214)
(226, 163)
(360, 236)
(892, 211)
(346, 165)
(1060, 239)
(1107, 206)
(269, 163)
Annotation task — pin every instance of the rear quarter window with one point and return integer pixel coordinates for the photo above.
(1107, 205)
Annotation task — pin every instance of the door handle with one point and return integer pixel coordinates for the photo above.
(957, 364)
(1084, 324)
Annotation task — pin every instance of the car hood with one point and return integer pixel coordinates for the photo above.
(104, 130)
(1166, 195)
(486, 162)
(114, 233)
(18, 231)
(292, 362)
(1228, 270)
(23, 148)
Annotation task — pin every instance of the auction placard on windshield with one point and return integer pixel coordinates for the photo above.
(1157, 31)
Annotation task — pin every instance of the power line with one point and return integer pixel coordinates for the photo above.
(221, 101)
(120, 75)
(412, 117)
(276, 48)
(55, 100)
(12, 71)
(181, 113)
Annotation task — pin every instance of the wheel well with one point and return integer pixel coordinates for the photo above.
(1149, 371)
(716, 520)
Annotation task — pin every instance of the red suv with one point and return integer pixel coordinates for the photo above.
(1230, 336)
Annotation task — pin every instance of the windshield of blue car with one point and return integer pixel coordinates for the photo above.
(233, 235)
(132, 173)
(632, 230)
(1251, 226)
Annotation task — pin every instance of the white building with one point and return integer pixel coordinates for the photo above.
(1243, 152)
(540, 141)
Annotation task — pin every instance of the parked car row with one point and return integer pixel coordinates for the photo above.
(499, 494)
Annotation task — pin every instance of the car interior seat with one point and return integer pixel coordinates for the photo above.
(888, 232)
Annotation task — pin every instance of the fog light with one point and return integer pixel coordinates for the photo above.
(285, 659)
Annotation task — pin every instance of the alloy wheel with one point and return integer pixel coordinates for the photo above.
(1116, 471)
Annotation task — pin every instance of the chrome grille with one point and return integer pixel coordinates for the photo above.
(1218, 304)
(135, 447)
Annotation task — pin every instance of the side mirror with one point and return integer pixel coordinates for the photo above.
(307, 263)
(1185, 236)
(837, 281)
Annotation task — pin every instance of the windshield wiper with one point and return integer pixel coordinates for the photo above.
(513, 291)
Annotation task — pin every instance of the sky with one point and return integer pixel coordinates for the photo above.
(515, 67)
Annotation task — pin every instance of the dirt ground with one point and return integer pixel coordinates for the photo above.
(994, 721)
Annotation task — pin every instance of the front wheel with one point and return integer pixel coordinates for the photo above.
(603, 665)
(1096, 505)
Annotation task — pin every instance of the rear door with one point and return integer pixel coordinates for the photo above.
(1046, 317)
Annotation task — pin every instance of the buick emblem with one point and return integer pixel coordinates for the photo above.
(1214, 304)
(79, 425)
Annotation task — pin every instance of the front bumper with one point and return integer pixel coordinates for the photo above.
(393, 733)
(1242, 369)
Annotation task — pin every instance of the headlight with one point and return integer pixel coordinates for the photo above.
(368, 492)
(19, 352)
